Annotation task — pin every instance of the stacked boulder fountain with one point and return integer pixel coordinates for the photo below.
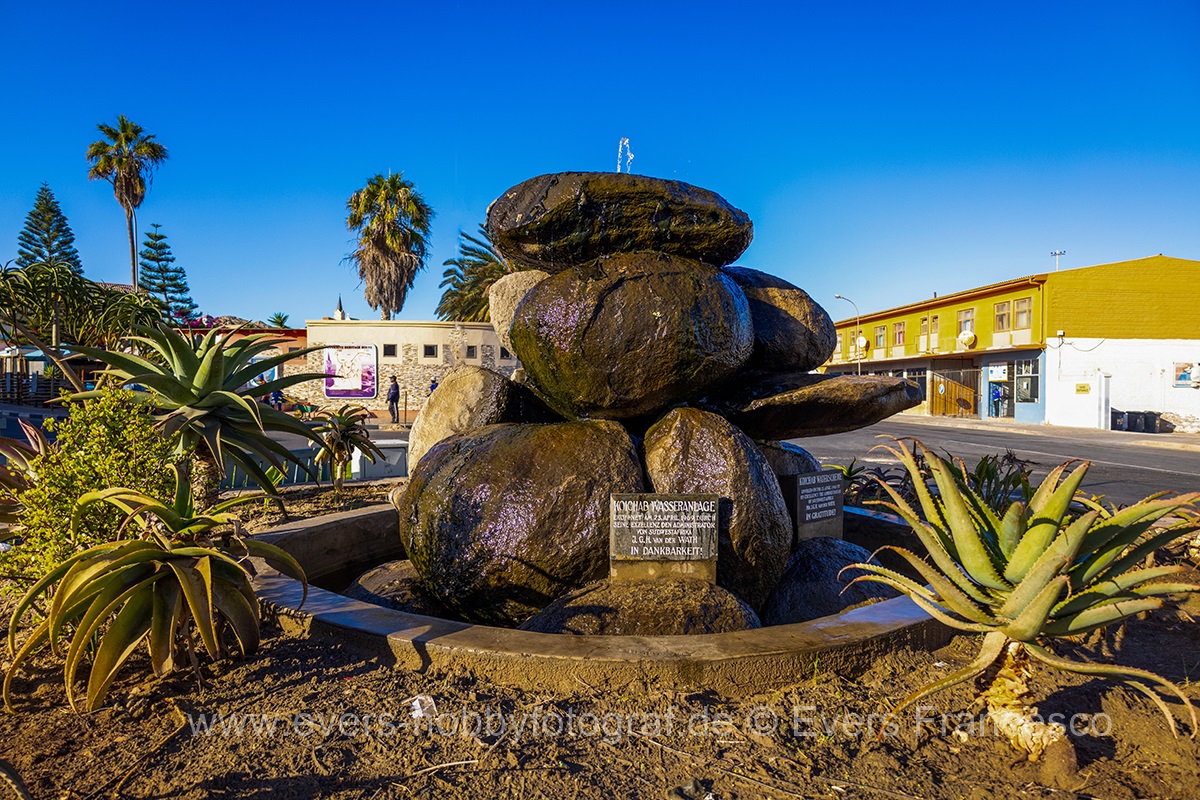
(650, 365)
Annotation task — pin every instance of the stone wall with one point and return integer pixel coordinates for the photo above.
(412, 370)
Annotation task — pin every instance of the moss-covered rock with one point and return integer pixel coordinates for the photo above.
(793, 405)
(501, 521)
(552, 222)
(645, 608)
(791, 330)
(691, 451)
(631, 334)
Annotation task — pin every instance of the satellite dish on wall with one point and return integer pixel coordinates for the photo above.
(862, 342)
(967, 338)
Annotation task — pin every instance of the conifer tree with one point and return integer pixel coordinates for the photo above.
(161, 279)
(46, 237)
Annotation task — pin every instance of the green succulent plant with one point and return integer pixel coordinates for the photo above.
(342, 432)
(173, 579)
(1034, 574)
(202, 392)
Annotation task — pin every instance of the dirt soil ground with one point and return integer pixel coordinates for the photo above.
(315, 718)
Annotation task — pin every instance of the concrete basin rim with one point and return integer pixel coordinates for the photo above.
(854, 628)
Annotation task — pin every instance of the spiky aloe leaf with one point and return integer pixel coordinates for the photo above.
(240, 615)
(1098, 616)
(279, 559)
(1106, 563)
(1052, 562)
(1108, 589)
(168, 602)
(1032, 618)
(1045, 519)
(1012, 528)
(951, 596)
(992, 648)
(39, 636)
(974, 552)
(197, 590)
(127, 630)
(1128, 674)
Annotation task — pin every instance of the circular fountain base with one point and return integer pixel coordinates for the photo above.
(732, 664)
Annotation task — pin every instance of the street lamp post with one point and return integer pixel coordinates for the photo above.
(857, 331)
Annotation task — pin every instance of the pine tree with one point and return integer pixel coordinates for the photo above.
(160, 278)
(46, 237)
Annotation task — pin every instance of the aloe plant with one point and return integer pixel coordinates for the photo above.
(17, 473)
(342, 432)
(173, 579)
(202, 392)
(1032, 575)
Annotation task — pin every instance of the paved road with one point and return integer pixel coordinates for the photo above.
(1125, 466)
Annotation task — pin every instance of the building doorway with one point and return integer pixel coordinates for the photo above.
(1000, 390)
(954, 393)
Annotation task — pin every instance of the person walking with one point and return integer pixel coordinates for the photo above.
(393, 400)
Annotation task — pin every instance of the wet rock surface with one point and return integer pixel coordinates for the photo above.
(501, 521)
(798, 404)
(645, 608)
(791, 330)
(692, 451)
(628, 335)
(810, 587)
(469, 398)
(397, 585)
(786, 458)
(504, 297)
(556, 221)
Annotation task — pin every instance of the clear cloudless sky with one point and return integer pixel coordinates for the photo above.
(885, 151)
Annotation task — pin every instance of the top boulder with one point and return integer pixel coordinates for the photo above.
(557, 221)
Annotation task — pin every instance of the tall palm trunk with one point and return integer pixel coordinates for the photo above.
(132, 247)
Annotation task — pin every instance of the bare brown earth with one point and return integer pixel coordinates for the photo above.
(343, 728)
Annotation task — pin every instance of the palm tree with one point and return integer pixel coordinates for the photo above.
(126, 158)
(392, 222)
(471, 275)
(278, 320)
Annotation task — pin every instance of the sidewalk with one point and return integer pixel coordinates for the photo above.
(1171, 441)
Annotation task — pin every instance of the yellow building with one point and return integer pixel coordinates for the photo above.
(1064, 347)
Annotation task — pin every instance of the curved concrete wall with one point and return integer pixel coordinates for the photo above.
(733, 664)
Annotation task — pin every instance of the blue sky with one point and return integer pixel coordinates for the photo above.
(884, 151)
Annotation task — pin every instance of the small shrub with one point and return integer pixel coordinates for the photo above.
(107, 441)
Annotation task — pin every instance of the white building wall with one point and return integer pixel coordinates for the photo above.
(1142, 378)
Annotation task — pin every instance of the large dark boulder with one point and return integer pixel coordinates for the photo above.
(631, 334)
(469, 398)
(793, 405)
(645, 608)
(791, 331)
(397, 585)
(788, 459)
(501, 521)
(691, 451)
(811, 586)
(552, 222)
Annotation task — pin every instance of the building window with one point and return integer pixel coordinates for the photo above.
(430, 351)
(389, 351)
(1003, 317)
(472, 351)
(919, 376)
(504, 354)
(1026, 387)
(924, 326)
(293, 349)
(1023, 313)
(880, 335)
(898, 334)
(933, 326)
(966, 320)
